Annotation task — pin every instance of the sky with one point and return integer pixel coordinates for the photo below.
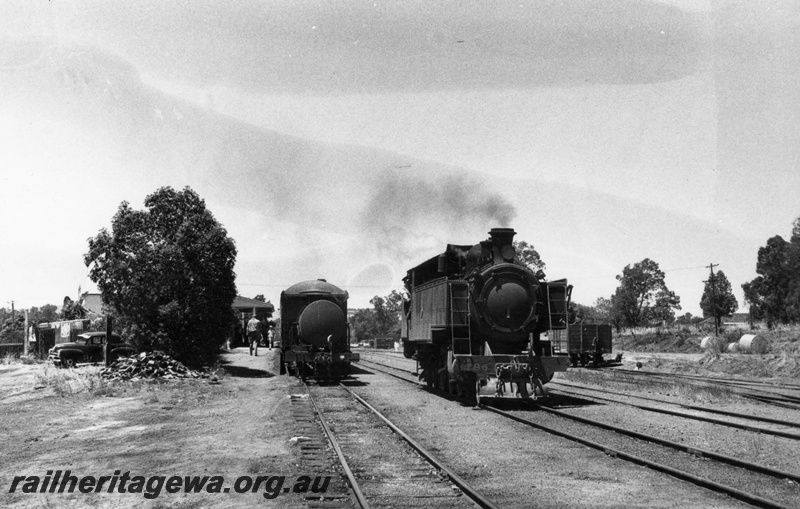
(352, 140)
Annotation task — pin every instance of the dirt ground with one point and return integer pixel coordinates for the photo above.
(240, 426)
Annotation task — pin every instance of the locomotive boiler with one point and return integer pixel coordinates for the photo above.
(315, 336)
(475, 314)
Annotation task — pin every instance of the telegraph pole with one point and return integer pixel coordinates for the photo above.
(714, 297)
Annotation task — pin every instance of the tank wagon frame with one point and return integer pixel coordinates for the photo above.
(315, 335)
(475, 314)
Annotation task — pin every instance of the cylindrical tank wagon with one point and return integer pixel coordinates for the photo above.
(315, 336)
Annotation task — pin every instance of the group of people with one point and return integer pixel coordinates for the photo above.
(255, 337)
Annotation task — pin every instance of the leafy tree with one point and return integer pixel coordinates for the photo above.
(588, 314)
(528, 255)
(643, 295)
(387, 313)
(47, 313)
(608, 311)
(774, 294)
(753, 296)
(666, 304)
(260, 297)
(383, 320)
(363, 324)
(718, 299)
(168, 271)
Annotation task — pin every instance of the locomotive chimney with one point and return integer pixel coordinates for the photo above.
(502, 236)
(502, 247)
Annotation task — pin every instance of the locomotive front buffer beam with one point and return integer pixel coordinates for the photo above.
(517, 375)
(325, 357)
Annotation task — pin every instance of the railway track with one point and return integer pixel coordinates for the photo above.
(586, 392)
(760, 388)
(734, 382)
(780, 400)
(753, 390)
(383, 466)
(774, 488)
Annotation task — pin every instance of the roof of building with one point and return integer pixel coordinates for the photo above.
(243, 303)
(93, 302)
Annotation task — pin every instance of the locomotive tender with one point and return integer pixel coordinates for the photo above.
(315, 336)
(476, 313)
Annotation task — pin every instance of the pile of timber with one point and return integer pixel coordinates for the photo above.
(148, 365)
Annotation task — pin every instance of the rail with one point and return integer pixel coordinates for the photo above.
(700, 481)
(358, 495)
(465, 487)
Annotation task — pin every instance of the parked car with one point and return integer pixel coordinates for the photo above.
(89, 348)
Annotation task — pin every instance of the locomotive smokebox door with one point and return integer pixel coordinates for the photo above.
(318, 320)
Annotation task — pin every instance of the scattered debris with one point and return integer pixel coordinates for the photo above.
(148, 365)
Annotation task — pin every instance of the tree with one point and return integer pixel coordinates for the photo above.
(666, 304)
(168, 271)
(588, 314)
(528, 255)
(260, 297)
(608, 311)
(774, 294)
(47, 313)
(363, 324)
(383, 320)
(387, 313)
(643, 295)
(718, 299)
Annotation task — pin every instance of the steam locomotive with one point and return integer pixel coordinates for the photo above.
(475, 314)
(315, 336)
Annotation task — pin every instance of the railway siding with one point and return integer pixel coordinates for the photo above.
(388, 472)
(517, 466)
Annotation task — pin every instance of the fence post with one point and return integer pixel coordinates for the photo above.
(25, 336)
(106, 356)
